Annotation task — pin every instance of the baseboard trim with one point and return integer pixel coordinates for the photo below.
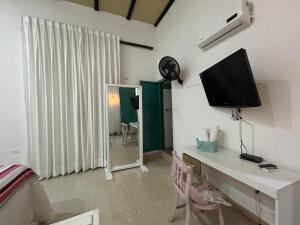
(149, 156)
(166, 156)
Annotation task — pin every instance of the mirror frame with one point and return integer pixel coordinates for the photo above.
(140, 161)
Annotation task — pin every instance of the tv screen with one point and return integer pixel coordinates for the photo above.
(230, 83)
(135, 102)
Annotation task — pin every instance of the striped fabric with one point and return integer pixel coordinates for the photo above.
(11, 177)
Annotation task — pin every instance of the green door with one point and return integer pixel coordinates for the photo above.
(152, 116)
(128, 113)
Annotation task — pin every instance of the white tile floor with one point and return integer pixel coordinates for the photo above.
(133, 198)
(122, 154)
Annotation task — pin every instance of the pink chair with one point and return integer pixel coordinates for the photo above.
(182, 179)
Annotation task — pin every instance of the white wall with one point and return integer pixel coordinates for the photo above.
(272, 44)
(143, 68)
(136, 63)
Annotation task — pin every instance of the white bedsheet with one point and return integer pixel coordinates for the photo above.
(29, 204)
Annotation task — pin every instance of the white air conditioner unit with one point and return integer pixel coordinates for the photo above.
(233, 24)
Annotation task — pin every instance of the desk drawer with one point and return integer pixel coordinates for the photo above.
(196, 163)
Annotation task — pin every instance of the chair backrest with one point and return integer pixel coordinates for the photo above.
(124, 128)
(181, 176)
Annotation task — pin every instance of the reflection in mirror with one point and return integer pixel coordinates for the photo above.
(123, 103)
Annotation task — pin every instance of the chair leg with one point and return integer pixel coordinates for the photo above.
(221, 216)
(188, 214)
(174, 210)
(124, 139)
(196, 218)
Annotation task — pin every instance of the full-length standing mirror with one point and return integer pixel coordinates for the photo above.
(124, 128)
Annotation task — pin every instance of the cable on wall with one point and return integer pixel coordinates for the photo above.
(258, 207)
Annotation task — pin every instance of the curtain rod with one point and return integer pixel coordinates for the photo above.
(136, 45)
(121, 41)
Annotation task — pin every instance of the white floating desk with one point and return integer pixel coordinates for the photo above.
(281, 185)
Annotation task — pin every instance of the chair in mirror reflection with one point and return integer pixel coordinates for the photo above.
(128, 134)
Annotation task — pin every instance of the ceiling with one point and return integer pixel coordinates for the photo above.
(147, 11)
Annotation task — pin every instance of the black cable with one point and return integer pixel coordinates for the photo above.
(232, 114)
(238, 114)
(245, 147)
(258, 206)
(242, 145)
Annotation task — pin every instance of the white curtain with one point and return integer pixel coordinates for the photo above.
(65, 71)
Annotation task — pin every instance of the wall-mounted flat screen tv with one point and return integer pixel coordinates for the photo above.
(230, 83)
(135, 102)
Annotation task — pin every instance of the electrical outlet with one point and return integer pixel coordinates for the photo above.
(13, 150)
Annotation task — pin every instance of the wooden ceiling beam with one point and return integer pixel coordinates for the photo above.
(164, 12)
(130, 10)
(136, 45)
(96, 5)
